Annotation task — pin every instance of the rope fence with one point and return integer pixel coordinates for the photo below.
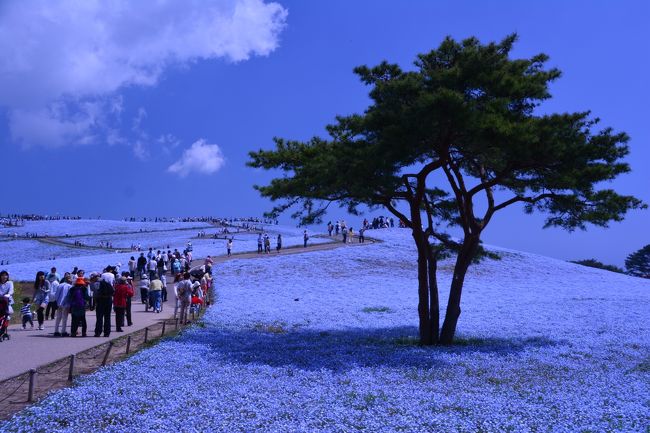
(15, 390)
(84, 362)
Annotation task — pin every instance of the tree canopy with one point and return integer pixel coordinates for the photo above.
(638, 263)
(469, 112)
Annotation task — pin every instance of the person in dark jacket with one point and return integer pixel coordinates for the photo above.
(142, 264)
(104, 302)
(77, 298)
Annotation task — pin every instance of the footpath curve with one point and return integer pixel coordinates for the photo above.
(33, 349)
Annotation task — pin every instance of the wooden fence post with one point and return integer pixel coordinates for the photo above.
(108, 352)
(71, 369)
(32, 379)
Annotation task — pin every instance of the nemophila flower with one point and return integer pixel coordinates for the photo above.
(26, 256)
(542, 347)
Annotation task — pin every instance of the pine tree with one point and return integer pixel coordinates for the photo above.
(638, 263)
(454, 140)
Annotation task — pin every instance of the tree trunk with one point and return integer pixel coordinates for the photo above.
(434, 302)
(426, 337)
(464, 259)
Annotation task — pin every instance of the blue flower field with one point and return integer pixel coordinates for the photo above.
(327, 342)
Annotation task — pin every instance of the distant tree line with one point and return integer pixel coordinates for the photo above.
(637, 264)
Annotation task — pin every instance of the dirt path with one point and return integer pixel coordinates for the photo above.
(31, 349)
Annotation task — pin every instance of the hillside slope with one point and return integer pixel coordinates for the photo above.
(326, 342)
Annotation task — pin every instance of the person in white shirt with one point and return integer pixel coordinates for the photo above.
(63, 306)
(7, 290)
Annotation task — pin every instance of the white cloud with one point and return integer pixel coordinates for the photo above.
(201, 157)
(81, 53)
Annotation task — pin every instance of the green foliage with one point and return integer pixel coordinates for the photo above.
(638, 263)
(593, 263)
(467, 112)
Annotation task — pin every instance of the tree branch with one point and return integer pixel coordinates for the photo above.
(523, 199)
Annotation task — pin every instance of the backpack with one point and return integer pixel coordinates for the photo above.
(105, 290)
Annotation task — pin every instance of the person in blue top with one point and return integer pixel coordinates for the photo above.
(53, 276)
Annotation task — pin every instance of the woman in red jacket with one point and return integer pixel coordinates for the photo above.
(122, 291)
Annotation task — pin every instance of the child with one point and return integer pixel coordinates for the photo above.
(26, 312)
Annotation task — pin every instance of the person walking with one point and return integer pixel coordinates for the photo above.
(129, 282)
(104, 302)
(63, 306)
(133, 266)
(144, 289)
(77, 298)
(50, 310)
(229, 247)
(305, 238)
(184, 293)
(155, 294)
(41, 297)
(26, 313)
(151, 267)
(122, 291)
(278, 243)
(141, 264)
(259, 243)
(161, 265)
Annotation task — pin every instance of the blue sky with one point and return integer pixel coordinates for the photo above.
(99, 102)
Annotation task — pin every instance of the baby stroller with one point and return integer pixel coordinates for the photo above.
(4, 319)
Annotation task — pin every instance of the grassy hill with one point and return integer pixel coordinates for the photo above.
(326, 341)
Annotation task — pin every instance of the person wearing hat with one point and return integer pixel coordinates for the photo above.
(77, 298)
(144, 288)
(184, 296)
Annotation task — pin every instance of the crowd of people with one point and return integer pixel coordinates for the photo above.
(71, 295)
(264, 243)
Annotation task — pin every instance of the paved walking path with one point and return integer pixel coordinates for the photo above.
(29, 349)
